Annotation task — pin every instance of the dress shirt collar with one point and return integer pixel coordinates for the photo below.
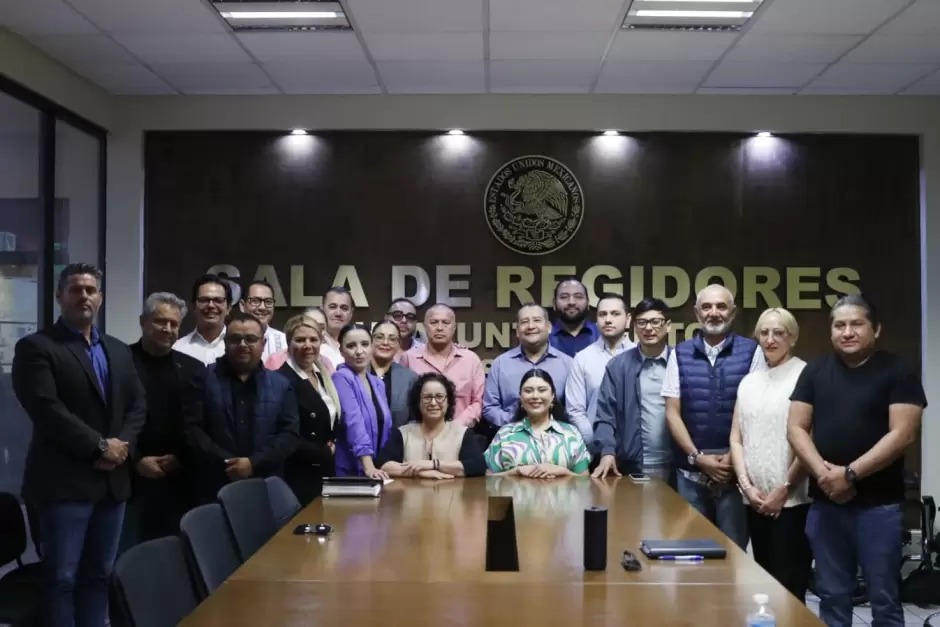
(526, 425)
(95, 335)
(663, 355)
(551, 351)
(588, 328)
(624, 345)
(196, 338)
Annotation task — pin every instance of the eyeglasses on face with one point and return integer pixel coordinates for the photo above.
(440, 399)
(398, 316)
(653, 323)
(235, 340)
(255, 301)
(205, 300)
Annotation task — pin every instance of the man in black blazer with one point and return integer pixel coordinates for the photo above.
(242, 422)
(161, 471)
(82, 394)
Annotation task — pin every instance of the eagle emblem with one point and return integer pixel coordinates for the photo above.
(534, 205)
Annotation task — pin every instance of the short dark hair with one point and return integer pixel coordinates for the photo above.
(339, 289)
(260, 282)
(237, 315)
(352, 326)
(856, 300)
(74, 269)
(414, 395)
(212, 279)
(568, 279)
(401, 300)
(380, 323)
(557, 410)
(651, 304)
(533, 304)
(613, 296)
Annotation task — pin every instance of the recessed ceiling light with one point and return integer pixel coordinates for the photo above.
(611, 133)
(455, 131)
(298, 131)
(765, 134)
(272, 15)
(696, 14)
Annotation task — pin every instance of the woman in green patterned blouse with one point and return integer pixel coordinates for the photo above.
(540, 442)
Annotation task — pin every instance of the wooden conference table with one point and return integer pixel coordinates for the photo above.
(416, 557)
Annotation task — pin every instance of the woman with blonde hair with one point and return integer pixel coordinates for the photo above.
(770, 476)
(317, 404)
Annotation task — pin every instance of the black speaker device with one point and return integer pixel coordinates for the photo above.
(595, 538)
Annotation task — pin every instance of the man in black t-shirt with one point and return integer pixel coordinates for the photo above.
(852, 415)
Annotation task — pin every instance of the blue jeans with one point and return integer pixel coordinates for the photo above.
(724, 507)
(79, 544)
(845, 537)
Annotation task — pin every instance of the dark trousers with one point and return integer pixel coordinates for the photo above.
(781, 547)
(79, 544)
(844, 537)
(722, 505)
(154, 510)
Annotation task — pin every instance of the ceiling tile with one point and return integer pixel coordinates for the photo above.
(209, 77)
(542, 76)
(43, 17)
(921, 18)
(83, 48)
(336, 77)
(416, 16)
(126, 79)
(747, 91)
(553, 45)
(177, 49)
(867, 78)
(927, 86)
(744, 74)
(323, 46)
(827, 17)
(425, 46)
(664, 77)
(791, 48)
(554, 15)
(432, 77)
(897, 49)
(669, 46)
(151, 16)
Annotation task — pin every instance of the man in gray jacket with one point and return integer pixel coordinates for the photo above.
(630, 432)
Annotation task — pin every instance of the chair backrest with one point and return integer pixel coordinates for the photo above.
(152, 586)
(248, 512)
(284, 503)
(13, 539)
(209, 546)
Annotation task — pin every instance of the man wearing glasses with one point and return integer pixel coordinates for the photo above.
(242, 422)
(403, 313)
(212, 297)
(259, 302)
(630, 403)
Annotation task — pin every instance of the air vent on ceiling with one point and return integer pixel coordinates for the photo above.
(715, 16)
(283, 15)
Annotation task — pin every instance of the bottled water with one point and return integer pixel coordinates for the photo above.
(762, 616)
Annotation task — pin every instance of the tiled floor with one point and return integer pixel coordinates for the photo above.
(913, 615)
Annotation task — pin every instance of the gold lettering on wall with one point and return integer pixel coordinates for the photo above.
(636, 285)
(798, 285)
(469, 334)
(513, 281)
(705, 276)
(838, 281)
(677, 274)
(590, 278)
(346, 276)
(760, 281)
(297, 296)
(269, 274)
(550, 276)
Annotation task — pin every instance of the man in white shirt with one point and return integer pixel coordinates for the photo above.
(212, 298)
(339, 308)
(587, 373)
(258, 301)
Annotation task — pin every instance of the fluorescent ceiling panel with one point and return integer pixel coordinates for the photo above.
(281, 16)
(690, 14)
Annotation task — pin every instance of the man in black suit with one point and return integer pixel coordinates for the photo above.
(82, 394)
(243, 422)
(161, 475)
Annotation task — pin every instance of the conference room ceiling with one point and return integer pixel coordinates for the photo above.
(490, 46)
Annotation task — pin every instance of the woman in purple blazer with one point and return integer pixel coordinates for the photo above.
(366, 417)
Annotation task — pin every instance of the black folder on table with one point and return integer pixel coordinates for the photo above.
(708, 549)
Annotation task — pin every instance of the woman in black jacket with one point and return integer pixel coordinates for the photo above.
(318, 406)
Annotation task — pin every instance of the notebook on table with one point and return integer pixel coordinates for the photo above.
(351, 486)
(708, 549)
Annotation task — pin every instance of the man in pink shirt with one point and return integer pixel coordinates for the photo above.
(460, 365)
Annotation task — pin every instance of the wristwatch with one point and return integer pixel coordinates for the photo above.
(102, 446)
(850, 476)
(693, 456)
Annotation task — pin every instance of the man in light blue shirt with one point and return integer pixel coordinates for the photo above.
(587, 373)
(501, 394)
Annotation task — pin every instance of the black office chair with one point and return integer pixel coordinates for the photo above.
(20, 593)
(284, 503)
(151, 585)
(209, 546)
(248, 512)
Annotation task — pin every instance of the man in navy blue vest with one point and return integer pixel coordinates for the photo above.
(243, 421)
(701, 388)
